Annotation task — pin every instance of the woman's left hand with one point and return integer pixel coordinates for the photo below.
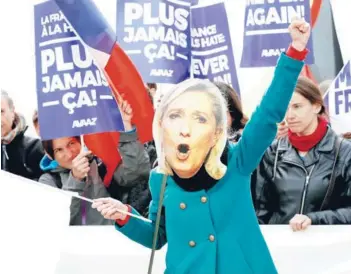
(300, 222)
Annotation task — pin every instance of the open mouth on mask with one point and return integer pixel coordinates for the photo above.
(183, 151)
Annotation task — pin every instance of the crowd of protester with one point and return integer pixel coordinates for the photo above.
(303, 179)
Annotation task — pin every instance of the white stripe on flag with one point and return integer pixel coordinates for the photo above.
(100, 57)
(263, 32)
(208, 52)
(57, 41)
(51, 103)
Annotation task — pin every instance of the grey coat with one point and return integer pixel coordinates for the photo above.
(92, 187)
(133, 171)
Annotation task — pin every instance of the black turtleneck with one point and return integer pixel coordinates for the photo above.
(201, 180)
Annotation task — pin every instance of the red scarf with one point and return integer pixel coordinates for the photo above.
(305, 143)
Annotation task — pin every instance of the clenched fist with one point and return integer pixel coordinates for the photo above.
(300, 222)
(81, 165)
(300, 32)
(126, 113)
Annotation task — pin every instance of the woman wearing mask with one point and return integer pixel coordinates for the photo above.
(305, 178)
(201, 207)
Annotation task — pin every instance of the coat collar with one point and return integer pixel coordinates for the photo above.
(326, 145)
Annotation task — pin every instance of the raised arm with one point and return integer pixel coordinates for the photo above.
(135, 165)
(261, 129)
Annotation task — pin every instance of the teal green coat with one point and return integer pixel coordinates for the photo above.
(216, 232)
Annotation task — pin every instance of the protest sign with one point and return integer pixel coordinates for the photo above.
(266, 33)
(319, 249)
(338, 100)
(341, 12)
(211, 48)
(32, 235)
(155, 34)
(73, 95)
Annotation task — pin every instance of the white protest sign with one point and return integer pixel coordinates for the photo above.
(33, 224)
(69, 84)
(266, 33)
(35, 233)
(320, 249)
(211, 45)
(338, 100)
(156, 36)
(341, 13)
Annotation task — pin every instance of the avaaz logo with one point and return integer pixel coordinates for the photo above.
(272, 52)
(84, 122)
(161, 72)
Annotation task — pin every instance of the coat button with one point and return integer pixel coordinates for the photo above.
(182, 206)
(203, 199)
(192, 243)
(211, 238)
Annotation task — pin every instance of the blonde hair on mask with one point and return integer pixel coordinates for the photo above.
(213, 165)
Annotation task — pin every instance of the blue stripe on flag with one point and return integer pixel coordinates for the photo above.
(89, 23)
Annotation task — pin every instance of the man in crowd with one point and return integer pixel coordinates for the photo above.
(69, 166)
(20, 154)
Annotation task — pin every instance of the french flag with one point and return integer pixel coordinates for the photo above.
(122, 76)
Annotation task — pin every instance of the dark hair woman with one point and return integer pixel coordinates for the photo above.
(235, 115)
(70, 167)
(305, 178)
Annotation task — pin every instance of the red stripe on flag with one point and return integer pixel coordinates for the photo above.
(105, 146)
(315, 10)
(125, 81)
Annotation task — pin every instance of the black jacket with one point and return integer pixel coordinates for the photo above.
(22, 156)
(151, 151)
(300, 185)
